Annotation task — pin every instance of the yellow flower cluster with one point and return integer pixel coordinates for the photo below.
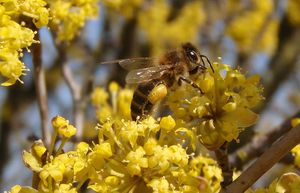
(14, 36)
(293, 7)
(223, 111)
(287, 183)
(160, 32)
(115, 104)
(141, 161)
(246, 29)
(128, 8)
(69, 16)
(17, 33)
(129, 157)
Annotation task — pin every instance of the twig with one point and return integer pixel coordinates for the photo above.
(261, 143)
(41, 91)
(223, 161)
(264, 162)
(75, 88)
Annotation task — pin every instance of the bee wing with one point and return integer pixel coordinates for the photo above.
(143, 75)
(133, 63)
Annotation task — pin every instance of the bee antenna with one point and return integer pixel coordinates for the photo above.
(203, 56)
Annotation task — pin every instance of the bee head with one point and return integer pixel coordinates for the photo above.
(193, 57)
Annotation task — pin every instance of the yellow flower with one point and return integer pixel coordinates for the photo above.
(296, 153)
(160, 185)
(155, 22)
(36, 157)
(292, 12)
(209, 170)
(126, 8)
(58, 122)
(167, 123)
(287, 183)
(67, 131)
(137, 157)
(295, 122)
(65, 188)
(246, 28)
(15, 36)
(117, 107)
(22, 189)
(223, 111)
(136, 161)
(52, 170)
(69, 16)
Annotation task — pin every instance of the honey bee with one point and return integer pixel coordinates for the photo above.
(154, 76)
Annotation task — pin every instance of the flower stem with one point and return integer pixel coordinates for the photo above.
(63, 141)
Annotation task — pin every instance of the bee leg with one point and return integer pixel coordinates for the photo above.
(203, 56)
(190, 82)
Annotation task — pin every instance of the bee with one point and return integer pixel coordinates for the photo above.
(154, 76)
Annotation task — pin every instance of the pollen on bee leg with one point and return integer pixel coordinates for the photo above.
(158, 93)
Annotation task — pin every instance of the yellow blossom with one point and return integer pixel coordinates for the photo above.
(22, 189)
(117, 107)
(138, 158)
(296, 153)
(36, 157)
(99, 96)
(292, 12)
(15, 35)
(126, 8)
(223, 111)
(295, 122)
(67, 131)
(69, 16)
(159, 28)
(58, 122)
(287, 183)
(65, 188)
(167, 123)
(52, 170)
(247, 28)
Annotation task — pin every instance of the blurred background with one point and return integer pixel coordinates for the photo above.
(258, 36)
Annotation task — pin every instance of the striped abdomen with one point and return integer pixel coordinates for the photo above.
(141, 105)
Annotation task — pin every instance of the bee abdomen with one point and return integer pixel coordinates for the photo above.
(140, 105)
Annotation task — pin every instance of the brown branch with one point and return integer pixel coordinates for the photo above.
(261, 143)
(223, 161)
(278, 150)
(41, 91)
(76, 92)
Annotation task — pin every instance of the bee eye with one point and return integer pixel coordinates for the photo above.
(193, 56)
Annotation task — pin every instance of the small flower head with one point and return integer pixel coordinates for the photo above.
(167, 123)
(138, 158)
(58, 122)
(61, 127)
(295, 122)
(68, 17)
(223, 111)
(118, 106)
(67, 131)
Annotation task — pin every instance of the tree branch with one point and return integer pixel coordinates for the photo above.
(261, 143)
(76, 92)
(265, 162)
(223, 161)
(41, 91)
